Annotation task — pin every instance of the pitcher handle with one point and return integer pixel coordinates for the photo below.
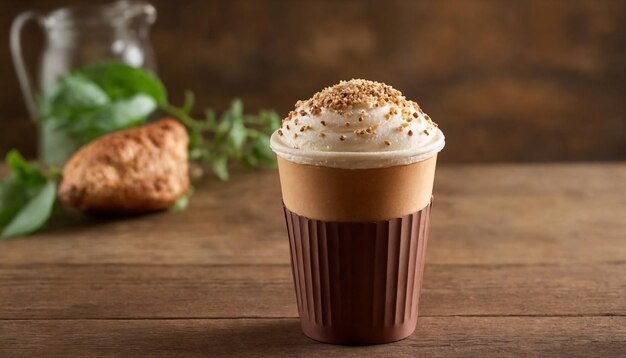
(18, 59)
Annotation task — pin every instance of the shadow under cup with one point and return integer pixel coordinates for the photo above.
(358, 240)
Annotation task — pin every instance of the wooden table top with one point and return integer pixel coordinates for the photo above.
(522, 260)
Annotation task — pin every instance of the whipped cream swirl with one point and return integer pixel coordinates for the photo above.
(357, 124)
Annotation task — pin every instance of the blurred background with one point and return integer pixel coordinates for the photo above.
(507, 81)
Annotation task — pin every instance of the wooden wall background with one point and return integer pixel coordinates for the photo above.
(524, 80)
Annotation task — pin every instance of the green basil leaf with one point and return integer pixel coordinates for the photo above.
(23, 172)
(182, 202)
(222, 130)
(236, 108)
(117, 115)
(237, 134)
(210, 119)
(76, 91)
(124, 113)
(20, 168)
(35, 214)
(16, 162)
(269, 120)
(220, 167)
(121, 81)
(12, 198)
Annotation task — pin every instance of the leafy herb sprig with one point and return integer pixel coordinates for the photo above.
(215, 141)
(27, 196)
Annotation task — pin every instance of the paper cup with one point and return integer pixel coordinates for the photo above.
(357, 240)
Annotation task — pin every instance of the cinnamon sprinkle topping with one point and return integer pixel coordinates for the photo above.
(347, 98)
(347, 94)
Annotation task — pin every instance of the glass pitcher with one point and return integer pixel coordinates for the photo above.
(77, 36)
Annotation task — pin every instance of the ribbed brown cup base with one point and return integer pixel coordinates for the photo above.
(358, 283)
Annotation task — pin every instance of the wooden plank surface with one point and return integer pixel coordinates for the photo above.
(434, 337)
(523, 260)
(119, 291)
(496, 214)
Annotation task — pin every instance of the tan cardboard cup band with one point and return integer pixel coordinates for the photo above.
(356, 195)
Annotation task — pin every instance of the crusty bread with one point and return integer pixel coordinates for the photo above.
(132, 171)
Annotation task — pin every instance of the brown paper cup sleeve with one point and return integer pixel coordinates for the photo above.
(358, 282)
